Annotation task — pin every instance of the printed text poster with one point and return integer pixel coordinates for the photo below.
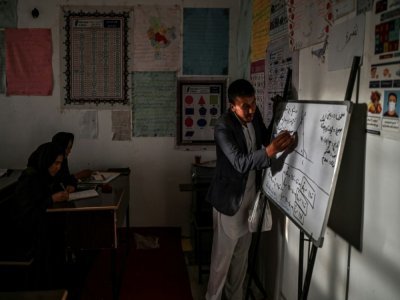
(278, 21)
(257, 78)
(154, 104)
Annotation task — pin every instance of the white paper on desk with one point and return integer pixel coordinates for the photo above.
(83, 194)
(103, 177)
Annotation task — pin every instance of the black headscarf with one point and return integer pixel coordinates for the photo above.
(31, 198)
(44, 156)
(63, 138)
(64, 176)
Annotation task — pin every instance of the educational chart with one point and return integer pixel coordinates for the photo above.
(96, 57)
(302, 183)
(154, 109)
(257, 78)
(384, 80)
(200, 105)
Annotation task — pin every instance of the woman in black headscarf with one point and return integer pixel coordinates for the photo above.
(66, 140)
(29, 236)
(34, 193)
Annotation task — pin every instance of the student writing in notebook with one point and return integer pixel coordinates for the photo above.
(33, 195)
(67, 180)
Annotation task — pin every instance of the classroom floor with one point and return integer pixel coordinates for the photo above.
(198, 289)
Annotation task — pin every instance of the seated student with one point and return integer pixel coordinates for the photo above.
(33, 195)
(69, 181)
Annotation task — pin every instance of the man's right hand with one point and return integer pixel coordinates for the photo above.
(283, 141)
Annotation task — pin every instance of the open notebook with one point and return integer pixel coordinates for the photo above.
(83, 194)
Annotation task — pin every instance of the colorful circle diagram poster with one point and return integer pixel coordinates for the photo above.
(201, 104)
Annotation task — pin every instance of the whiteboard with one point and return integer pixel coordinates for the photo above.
(301, 183)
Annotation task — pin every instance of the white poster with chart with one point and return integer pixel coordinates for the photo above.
(301, 182)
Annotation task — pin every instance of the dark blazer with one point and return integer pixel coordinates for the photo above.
(234, 162)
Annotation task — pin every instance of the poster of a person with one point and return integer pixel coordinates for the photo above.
(374, 105)
(391, 106)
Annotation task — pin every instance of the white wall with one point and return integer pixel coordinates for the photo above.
(157, 168)
(374, 272)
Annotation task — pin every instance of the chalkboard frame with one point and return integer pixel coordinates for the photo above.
(316, 240)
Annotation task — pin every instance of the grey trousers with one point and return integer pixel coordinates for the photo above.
(228, 264)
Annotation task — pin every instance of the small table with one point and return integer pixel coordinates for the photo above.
(92, 223)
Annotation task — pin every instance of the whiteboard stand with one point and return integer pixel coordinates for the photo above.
(303, 287)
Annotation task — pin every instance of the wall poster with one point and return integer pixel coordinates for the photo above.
(384, 80)
(96, 57)
(200, 104)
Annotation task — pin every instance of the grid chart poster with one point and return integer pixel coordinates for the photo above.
(200, 105)
(96, 58)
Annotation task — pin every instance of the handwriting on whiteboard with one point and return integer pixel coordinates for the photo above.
(300, 182)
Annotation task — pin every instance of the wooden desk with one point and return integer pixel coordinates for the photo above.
(92, 223)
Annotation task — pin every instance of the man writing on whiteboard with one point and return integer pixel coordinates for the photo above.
(242, 152)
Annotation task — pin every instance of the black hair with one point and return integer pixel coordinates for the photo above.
(240, 88)
(392, 94)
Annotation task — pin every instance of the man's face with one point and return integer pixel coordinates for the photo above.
(244, 108)
(392, 99)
